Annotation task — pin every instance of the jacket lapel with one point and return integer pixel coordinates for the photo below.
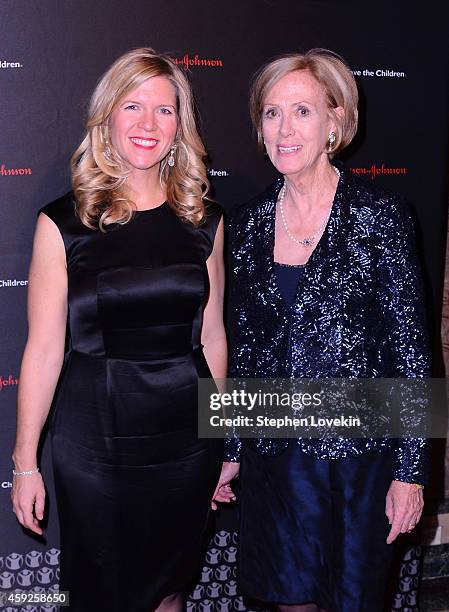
(312, 325)
(318, 306)
(270, 290)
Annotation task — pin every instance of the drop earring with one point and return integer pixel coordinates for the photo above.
(107, 153)
(264, 147)
(171, 157)
(331, 139)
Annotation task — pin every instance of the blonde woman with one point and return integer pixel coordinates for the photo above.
(131, 261)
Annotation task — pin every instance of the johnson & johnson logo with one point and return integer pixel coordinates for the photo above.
(374, 170)
(8, 382)
(188, 61)
(4, 171)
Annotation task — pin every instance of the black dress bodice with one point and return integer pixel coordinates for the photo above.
(126, 284)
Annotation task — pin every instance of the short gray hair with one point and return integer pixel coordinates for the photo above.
(332, 73)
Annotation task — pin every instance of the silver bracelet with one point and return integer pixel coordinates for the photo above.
(26, 473)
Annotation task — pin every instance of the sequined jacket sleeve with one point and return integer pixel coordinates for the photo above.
(402, 305)
(242, 342)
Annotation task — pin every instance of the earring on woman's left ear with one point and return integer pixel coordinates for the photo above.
(107, 149)
(331, 139)
(171, 157)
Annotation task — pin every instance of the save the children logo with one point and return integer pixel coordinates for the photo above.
(379, 73)
(8, 64)
(13, 282)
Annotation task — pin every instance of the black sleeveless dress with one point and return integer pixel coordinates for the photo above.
(133, 482)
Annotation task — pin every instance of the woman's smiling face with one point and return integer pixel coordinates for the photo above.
(143, 126)
(296, 122)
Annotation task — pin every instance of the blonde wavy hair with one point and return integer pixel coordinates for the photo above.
(98, 171)
(334, 76)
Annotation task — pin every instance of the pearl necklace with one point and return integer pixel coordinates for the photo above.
(308, 240)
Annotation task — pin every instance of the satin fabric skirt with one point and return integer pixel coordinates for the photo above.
(314, 530)
(133, 482)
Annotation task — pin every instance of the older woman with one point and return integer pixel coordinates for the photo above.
(325, 284)
(132, 261)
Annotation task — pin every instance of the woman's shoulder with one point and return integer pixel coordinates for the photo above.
(364, 193)
(62, 210)
(63, 213)
(213, 212)
(375, 208)
(208, 227)
(256, 207)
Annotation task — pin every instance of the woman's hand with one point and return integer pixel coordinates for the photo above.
(223, 491)
(403, 507)
(28, 500)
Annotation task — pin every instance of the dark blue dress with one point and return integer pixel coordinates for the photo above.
(305, 508)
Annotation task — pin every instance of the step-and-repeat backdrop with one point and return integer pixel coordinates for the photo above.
(51, 54)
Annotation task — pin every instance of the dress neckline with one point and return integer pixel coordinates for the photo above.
(287, 265)
(145, 210)
(320, 251)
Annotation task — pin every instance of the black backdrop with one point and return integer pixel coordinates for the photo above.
(51, 54)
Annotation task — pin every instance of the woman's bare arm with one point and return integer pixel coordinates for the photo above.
(41, 364)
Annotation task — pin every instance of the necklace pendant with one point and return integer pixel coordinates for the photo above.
(306, 242)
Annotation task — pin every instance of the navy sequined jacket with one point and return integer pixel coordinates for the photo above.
(358, 310)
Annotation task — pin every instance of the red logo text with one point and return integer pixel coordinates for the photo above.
(4, 171)
(8, 382)
(374, 170)
(188, 61)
